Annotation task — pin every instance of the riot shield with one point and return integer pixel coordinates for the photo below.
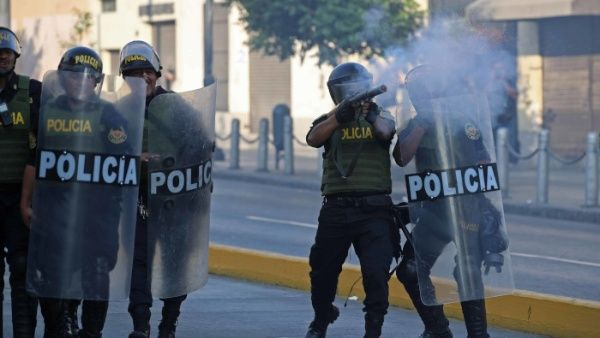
(181, 141)
(460, 238)
(87, 179)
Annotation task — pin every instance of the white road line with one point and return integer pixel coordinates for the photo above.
(550, 258)
(518, 254)
(281, 221)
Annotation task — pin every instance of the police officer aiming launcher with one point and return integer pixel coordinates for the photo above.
(356, 185)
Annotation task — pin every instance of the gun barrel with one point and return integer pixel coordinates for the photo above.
(369, 94)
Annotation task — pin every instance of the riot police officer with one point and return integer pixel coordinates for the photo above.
(139, 59)
(356, 185)
(471, 221)
(19, 106)
(75, 228)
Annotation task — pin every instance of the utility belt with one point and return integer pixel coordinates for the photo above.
(366, 202)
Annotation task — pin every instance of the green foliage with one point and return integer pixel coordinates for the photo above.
(81, 29)
(336, 28)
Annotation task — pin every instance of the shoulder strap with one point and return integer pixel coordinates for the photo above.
(23, 82)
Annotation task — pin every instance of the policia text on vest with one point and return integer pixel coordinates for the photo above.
(452, 182)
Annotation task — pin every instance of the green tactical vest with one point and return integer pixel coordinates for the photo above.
(372, 170)
(15, 140)
(79, 131)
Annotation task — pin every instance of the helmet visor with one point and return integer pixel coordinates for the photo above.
(341, 91)
(81, 85)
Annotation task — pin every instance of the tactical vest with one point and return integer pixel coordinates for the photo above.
(462, 146)
(372, 170)
(79, 131)
(15, 139)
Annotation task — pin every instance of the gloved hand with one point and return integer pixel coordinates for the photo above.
(494, 260)
(344, 112)
(372, 113)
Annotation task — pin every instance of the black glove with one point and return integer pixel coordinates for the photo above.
(373, 113)
(344, 112)
(494, 260)
(344, 115)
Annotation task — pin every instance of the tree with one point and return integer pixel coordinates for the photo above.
(81, 29)
(336, 28)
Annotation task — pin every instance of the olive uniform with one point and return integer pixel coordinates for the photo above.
(17, 142)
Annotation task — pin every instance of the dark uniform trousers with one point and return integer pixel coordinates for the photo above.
(140, 294)
(14, 236)
(346, 221)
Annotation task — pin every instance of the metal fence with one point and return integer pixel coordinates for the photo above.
(544, 154)
(503, 150)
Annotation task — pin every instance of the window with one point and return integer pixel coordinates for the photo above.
(109, 5)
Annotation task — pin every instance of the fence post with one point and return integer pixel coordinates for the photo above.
(543, 167)
(288, 145)
(502, 159)
(263, 145)
(320, 152)
(591, 171)
(234, 162)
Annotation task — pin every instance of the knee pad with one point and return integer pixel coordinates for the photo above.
(407, 271)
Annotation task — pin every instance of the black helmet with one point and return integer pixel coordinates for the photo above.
(82, 60)
(347, 79)
(138, 55)
(9, 40)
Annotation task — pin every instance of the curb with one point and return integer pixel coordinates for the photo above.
(588, 215)
(523, 311)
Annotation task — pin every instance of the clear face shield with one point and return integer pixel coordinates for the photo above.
(341, 91)
(81, 86)
(138, 52)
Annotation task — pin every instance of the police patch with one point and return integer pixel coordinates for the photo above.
(117, 136)
(472, 132)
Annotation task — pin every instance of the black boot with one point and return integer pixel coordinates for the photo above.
(23, 306)
(318, 327)
(93, 317)
(140, 314)
(373, 326)
(74, 321)
(475, 318)
(170, 313)
(57, 322)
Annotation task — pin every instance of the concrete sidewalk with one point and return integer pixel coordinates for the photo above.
(231, 308)
(566, 189)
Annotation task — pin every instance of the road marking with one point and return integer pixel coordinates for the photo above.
(550, 258)
(518, 254)
(282, 221)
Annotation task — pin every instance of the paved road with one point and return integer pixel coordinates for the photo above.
(549, 256)
(229, 308)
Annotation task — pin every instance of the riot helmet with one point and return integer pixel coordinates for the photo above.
(80, 72)
(138, 54)
(9, 41)
(348, 79)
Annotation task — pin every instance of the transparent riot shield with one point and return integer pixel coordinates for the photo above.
(181, 141)
(460, 237)
(87, 178)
